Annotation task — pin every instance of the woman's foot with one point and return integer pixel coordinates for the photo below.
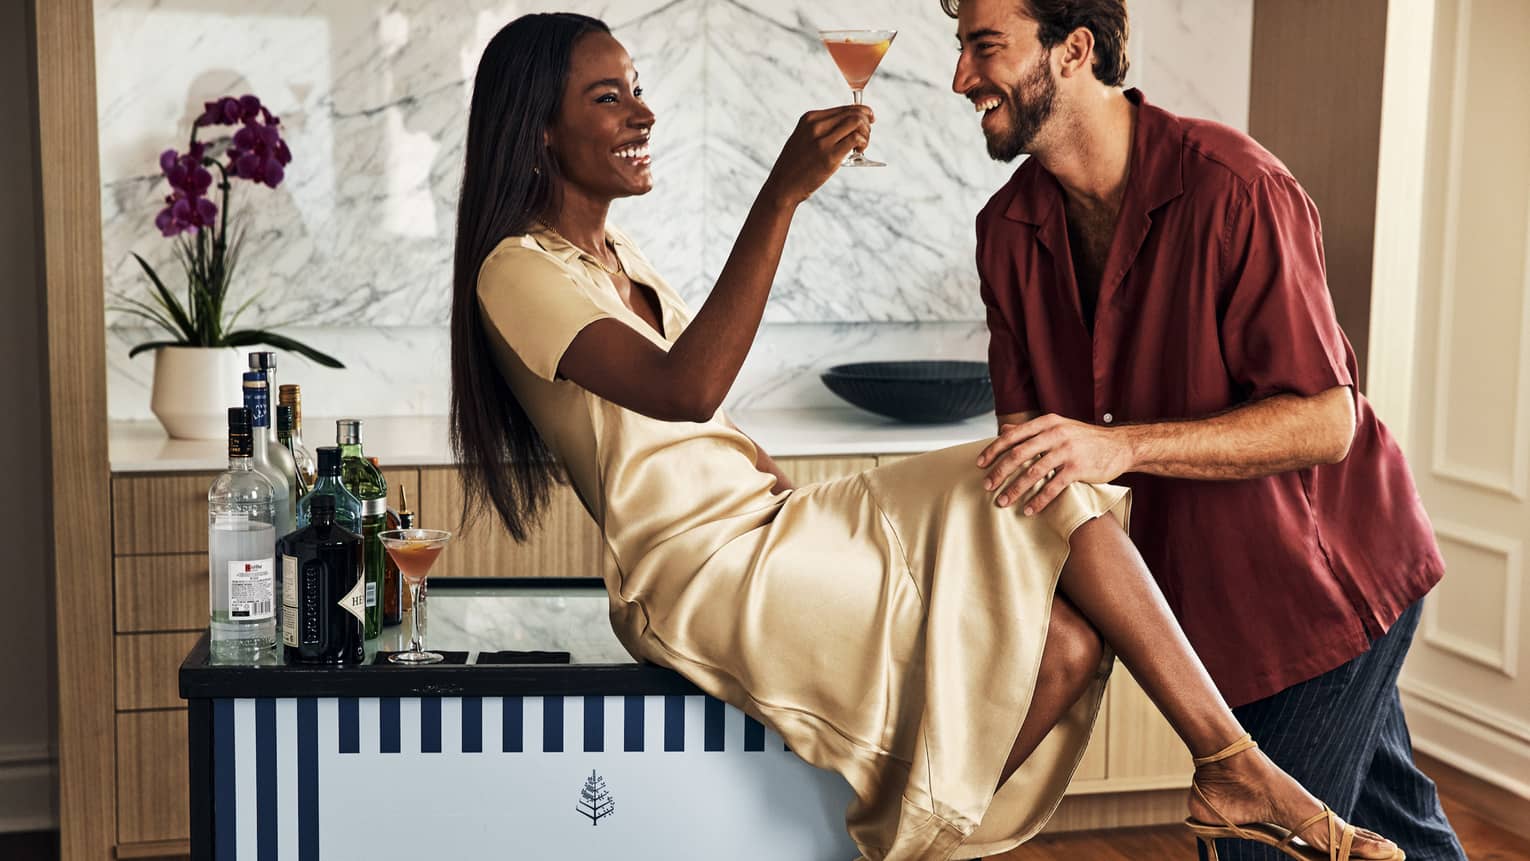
(1249, 788)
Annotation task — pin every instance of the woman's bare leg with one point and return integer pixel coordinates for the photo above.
(1108, 582)
(1069, 662)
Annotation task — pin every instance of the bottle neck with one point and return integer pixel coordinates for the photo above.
(240, 463)
(350, 450)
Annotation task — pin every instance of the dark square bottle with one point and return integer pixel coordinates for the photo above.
(324, 597)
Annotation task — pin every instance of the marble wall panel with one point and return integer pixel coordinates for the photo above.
(353, 251)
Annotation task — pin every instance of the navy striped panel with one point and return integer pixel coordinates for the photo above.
(594, 724)
(552, 724)
(225, 831)
(674, 722)
(430, 725)
(715, 709)
(514, 711)
(265, 780)
(350, 725)
(633, 725)
(754, 734)
(388, 725)
(308, 778)
(472, 724)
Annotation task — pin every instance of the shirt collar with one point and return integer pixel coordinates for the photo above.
(553, 243)
(1154, 173)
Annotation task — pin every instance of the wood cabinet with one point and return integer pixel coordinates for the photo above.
(159, 575)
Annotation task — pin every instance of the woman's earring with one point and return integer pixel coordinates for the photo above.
(536, 171)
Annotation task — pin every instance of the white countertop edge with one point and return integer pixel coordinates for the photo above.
(407, 441)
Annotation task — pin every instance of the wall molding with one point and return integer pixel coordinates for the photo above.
(1479, 740)
(1504, 660)
(28, 773)
(1516, 483)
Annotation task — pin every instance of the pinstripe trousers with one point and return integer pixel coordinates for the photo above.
(1343, 736)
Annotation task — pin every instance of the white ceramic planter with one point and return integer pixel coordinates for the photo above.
(193, 389)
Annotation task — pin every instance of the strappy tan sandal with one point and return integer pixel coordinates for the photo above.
(1340, 841)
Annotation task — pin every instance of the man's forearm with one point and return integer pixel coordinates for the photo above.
(1274, 435)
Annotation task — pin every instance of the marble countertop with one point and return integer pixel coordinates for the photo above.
(142, 446)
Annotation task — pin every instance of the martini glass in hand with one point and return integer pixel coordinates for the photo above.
(858, 53)
(414, 551)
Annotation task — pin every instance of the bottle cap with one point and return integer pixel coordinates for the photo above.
(240, 444)
(348, 432)
(329, 459)
(290, 393)
(263, 361)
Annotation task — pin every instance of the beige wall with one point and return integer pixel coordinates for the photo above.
(1453, 323)
(27, 771)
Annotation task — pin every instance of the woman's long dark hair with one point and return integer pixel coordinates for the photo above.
(509, 180)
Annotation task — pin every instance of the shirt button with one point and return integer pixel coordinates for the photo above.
(1109, 418)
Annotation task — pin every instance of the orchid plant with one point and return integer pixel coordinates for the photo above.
(206, 249)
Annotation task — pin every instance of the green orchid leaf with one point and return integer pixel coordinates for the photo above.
(143, 309)
(167, 299)
(249, 337)
(153, 345)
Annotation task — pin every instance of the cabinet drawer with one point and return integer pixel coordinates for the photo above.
(160, 593)
(165, 513)
(152, 800)
(566, 544)
(148, 669)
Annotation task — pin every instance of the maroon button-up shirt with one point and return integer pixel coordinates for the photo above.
(1213, 295)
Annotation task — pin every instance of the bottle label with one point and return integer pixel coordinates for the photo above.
(257, 400)
(355, 601)
(251, 591)
(371, 595)
(289, 601)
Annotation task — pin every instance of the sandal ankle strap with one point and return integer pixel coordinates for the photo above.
(1246, 742)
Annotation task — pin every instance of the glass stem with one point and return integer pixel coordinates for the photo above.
(856, 95)
(417, 633)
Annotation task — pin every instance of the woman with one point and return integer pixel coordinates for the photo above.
(941, 653)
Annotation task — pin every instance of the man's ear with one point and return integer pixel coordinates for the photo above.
(1077, 53)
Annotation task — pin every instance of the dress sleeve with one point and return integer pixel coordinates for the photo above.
(535, 305)
(1279, 331)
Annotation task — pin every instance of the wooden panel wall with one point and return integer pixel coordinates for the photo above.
(64, 56)
(1315, 102)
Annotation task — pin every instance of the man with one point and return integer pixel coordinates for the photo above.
(1158, 314)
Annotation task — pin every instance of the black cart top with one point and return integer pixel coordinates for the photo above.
(501, 637)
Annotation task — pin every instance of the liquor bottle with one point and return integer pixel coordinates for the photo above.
(393, 582)
(257, 401)
(284, 433)
(280, 456)
(347, 506)
(325, 599)
(292, 396)
(366, 482)
(241, 552)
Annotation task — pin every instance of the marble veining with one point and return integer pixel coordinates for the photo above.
(354, 251)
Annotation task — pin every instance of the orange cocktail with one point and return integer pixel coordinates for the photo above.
(858, 53)
(857, 61)
(414, 551)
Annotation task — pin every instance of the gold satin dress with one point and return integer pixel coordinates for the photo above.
(888, 625)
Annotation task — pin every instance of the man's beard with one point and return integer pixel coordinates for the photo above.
(1030, 105)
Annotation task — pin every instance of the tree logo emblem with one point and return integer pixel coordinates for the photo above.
(595, 801)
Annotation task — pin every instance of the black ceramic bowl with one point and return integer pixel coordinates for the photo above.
(915, 391)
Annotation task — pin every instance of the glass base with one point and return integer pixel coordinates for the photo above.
(855, 159)
(415, 658)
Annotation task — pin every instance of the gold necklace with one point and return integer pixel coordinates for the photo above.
(619, 270)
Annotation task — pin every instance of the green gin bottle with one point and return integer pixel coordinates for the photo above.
(366, 482)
